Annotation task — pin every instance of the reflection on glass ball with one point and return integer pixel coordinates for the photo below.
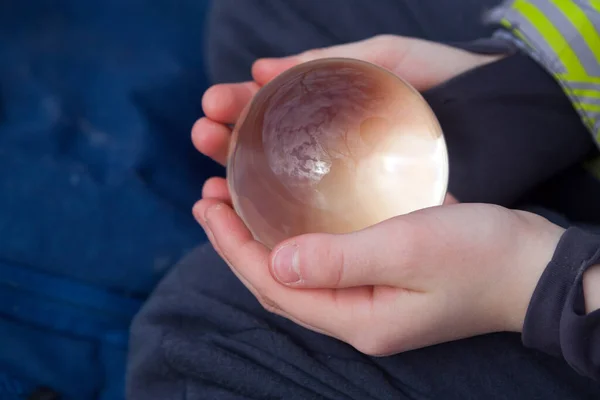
(335, 146)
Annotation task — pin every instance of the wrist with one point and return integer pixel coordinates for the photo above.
(591, 288)
(537, 244)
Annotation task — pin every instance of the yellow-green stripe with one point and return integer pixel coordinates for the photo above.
(595, 94)
(578, 79)
(582, 24)
(587, 107)
(507, 25)
(595, 4)
(553, 37)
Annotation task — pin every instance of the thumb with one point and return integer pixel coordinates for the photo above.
(379, 255)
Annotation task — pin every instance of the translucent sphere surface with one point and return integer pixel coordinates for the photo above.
(334, 146)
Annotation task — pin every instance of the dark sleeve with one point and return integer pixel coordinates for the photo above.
(556, 322)
(509, 128)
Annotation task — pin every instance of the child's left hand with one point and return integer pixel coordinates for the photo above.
(436, 275)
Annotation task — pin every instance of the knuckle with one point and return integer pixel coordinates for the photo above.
(324, 261)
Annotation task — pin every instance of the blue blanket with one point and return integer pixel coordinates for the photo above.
(97, 179)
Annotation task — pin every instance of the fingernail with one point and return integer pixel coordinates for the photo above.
(286, 264)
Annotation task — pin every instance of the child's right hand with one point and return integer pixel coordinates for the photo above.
(422, 63)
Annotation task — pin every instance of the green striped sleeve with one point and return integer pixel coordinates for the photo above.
(564, 36)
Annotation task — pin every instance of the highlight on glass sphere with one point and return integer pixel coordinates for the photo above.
(334, 146)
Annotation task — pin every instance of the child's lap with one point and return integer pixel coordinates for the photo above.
(202, 326)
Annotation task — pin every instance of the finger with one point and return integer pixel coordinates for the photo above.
(316, 309)
(383, 254)
(264, 70)
(216, 188)
(421, 63)
(198, 212)
(450, 199)
(211, 139)
(225, 102)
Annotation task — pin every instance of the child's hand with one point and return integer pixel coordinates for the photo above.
(432, 276)
(422, 63)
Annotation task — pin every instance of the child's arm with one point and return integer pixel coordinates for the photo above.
(509, 128)
(513, 124)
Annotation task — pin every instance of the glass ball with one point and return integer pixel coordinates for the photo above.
(334, 146)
